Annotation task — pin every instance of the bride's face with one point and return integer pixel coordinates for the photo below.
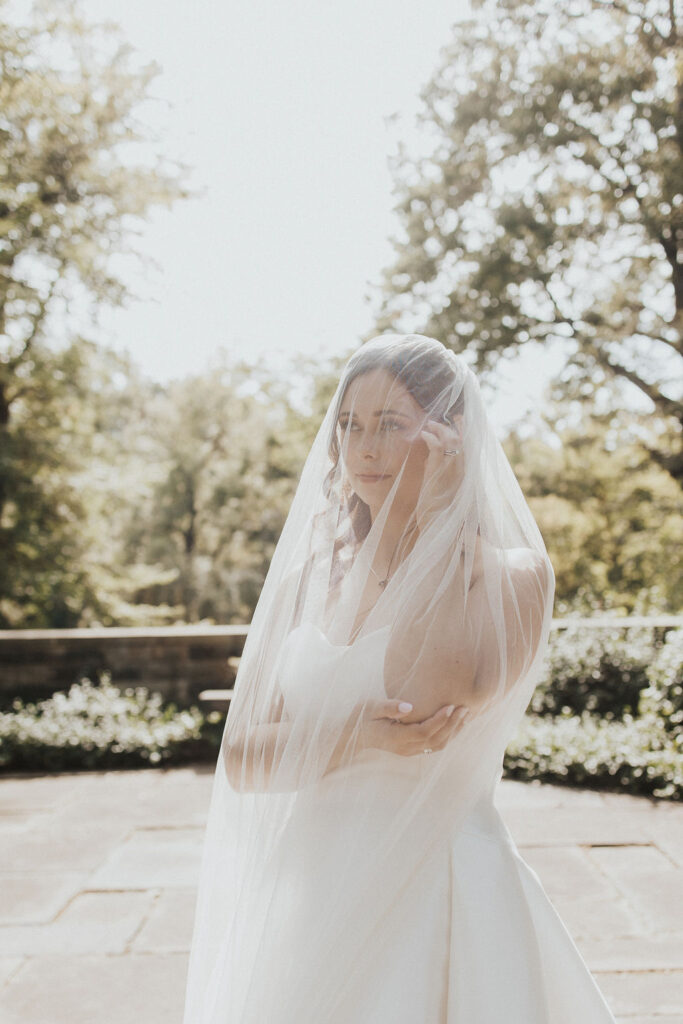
(379, 426)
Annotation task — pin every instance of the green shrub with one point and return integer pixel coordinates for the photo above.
(98, 726)
(665, 694)
(637, 747)
(634, 755)
(601, 670)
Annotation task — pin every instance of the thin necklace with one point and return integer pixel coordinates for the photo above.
(383, 582)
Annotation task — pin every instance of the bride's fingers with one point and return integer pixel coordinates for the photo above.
(448, 437)
(450, 728)
(431, 727)
(438, 437)
(431, 440)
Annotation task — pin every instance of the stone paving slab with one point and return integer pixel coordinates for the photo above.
(31, 897)
(107, 922)
(659, 1019)
(150, 858)
(168, 928)
(648, 880)
(639, 992)
(9, 965)
(631, 952)
(98, 873)
(96, 989)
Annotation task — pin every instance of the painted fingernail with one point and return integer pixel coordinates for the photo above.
(449, 710)
(405, 706)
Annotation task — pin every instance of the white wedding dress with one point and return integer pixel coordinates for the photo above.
(473, 939)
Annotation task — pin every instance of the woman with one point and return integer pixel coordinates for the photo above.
(355, 868)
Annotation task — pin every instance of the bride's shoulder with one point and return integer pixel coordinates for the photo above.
(520, 562)
(523, 559)
(530, 581)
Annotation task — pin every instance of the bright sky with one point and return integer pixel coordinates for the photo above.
(283, 110)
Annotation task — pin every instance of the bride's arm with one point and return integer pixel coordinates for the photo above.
(266, 756)
(465, 666)
(380, 727)
(255, 764)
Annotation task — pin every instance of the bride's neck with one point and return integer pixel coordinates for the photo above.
(397, 526)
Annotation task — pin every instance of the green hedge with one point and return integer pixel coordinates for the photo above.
(602, 671)
(608, 713)
(665, 695)
(634, 755)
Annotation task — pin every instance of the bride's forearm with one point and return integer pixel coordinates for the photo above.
(251, 764)
(267, 759)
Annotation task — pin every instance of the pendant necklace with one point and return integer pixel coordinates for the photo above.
(383, 582)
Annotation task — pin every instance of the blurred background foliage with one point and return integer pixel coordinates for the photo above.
(545, 208)
(128, 502)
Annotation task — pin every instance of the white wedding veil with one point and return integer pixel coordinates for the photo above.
(409, 569)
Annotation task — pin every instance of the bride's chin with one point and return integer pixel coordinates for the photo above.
(372, 488)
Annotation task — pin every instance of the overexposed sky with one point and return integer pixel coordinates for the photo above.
(284, 110)
(281, 109)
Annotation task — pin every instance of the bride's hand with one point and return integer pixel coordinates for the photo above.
(442, 472)
(386, 732)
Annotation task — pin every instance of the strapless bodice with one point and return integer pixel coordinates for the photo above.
(320, 678)
(317, 676)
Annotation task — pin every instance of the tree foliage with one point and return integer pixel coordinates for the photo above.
(223, 452)
(548, 204)
(218, 480)
(609, 515)
(70, 197)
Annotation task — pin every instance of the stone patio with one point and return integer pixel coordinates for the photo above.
(99, 869)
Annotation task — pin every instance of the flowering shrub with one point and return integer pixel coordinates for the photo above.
(97, 726)
(635, 755)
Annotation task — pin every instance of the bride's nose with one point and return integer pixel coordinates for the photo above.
(368, 444)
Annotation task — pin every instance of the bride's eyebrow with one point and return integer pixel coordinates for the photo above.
(381, 412)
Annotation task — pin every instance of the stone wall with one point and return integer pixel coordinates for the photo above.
(176, 661)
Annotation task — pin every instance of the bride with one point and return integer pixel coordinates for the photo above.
(355, 868)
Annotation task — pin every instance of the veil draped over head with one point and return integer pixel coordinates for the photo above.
(409, 569)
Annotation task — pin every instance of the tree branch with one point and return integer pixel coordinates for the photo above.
(37, 323)
(668, 406)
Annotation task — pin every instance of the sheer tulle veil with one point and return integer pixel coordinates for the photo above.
(409, 568)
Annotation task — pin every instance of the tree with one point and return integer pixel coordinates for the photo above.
(224, 451)
(548, 207)
(609, 515)
(70, 199)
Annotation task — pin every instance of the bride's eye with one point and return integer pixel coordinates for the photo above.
(390, 425)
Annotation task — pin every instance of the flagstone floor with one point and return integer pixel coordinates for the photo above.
(98, 873)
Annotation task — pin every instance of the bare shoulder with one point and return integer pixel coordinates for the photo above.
(526, 570)
(523, 560)
(519, 564)
(530, 576)
(516, 560)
